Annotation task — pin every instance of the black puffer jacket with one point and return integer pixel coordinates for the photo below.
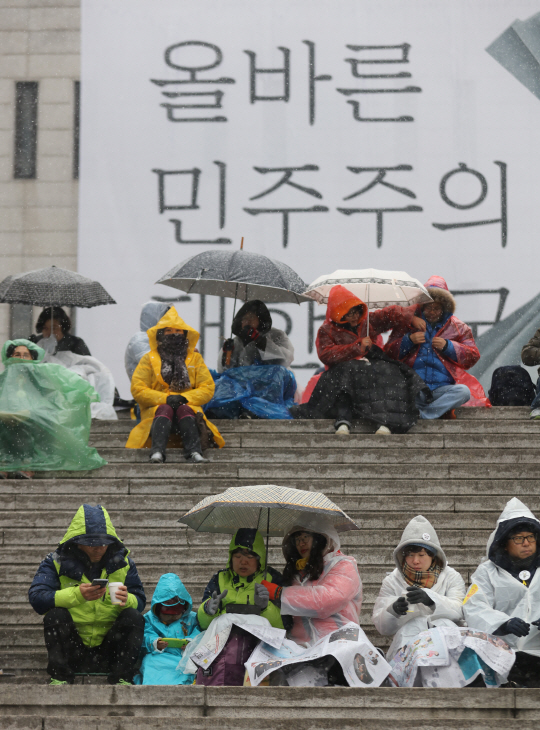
(381, 390)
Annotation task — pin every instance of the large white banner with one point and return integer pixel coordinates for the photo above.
(346, 134)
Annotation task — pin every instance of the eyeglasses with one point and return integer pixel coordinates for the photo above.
(303, 537)
(519, 539)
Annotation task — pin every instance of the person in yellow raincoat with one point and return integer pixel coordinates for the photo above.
(171, 384)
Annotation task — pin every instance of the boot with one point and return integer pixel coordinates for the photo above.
(161, 428)
(189, 433)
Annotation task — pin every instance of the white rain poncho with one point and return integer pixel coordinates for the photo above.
(324, 605)
(94, 372)
(447, 593)
(138, 346)
(495, 595)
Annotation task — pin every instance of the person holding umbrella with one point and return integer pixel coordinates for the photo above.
(55, 321)
(360, 380)
(171, 384)
(255, 379)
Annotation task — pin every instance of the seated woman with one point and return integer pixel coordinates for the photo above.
(58, 327)
(39, 432)
(238, 589)
(170, 617)
(245, 389)
(424, 593)
(171, 383)
(361, 381)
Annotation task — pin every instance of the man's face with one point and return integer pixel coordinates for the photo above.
(250, 319)
(432, 312)
(419, 561)
(522, 545)
(244, 562)
(94, 553)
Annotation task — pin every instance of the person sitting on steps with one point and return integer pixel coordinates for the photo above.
(171, 383)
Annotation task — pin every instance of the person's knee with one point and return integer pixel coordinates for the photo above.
(184, 411)
(57, 616)
(132, 617)
(463, 394)
(164, 411)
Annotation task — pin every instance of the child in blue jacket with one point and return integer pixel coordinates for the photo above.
(171, 617)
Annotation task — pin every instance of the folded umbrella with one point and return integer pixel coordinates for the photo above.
(237, 274)
(53, 286)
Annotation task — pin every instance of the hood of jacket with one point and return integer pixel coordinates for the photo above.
(173, 319)
(419, 531)
(260, 309)
(314, 523)
(438, 290)
(515, 513)
(30, 345)
(90, 522)
(341, 301)
(169, 586)
(151, 313)
(249, 539)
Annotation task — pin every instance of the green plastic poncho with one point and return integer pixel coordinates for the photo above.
(44, 415)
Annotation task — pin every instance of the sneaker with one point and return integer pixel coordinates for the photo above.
(125, 683)
(22, 475)
(157, 458)
(535, 414)
(343, 430)
(196, 458)
(56, 682)
(383, 431)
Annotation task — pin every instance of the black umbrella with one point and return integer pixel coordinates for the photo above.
(53, 287)
(239, 275)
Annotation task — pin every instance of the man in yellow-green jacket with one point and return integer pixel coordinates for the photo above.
(84, 630)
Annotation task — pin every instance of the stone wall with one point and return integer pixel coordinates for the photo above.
(39, 41)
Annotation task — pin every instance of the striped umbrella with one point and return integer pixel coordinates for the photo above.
(272, 510)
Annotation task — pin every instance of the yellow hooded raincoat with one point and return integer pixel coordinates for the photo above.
(150, 390)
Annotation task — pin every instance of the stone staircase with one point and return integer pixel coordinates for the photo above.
(459, 474)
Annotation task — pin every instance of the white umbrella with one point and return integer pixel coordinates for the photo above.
(375, 287)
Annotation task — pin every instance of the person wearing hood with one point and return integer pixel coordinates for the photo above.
(504, 597)
(322, 589)
(361, 381)
(139, 344)
(422, 592)
(170, 617)
(171, 383)
(84, 630)
(39, 432)
(441, 353)
(253, 378)
(240, 588)
(58, 327)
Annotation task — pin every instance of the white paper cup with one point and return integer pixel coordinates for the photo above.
(113, 587)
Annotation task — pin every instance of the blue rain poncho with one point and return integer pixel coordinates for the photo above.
(44, 415)
(159, 667)
(266, 391)
(139, 345)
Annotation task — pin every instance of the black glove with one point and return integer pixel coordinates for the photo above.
(400, 606)
(415, 594)
(211, 607)
(515, 626)
(248, 334)
(536, 623)
(260, 342)
(262, 596)
(227, 351)
(176, 400)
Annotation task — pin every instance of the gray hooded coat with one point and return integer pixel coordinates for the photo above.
(447, 593)
(138, 346)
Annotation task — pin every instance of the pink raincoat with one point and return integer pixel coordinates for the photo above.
(321, 606)
(464, 345)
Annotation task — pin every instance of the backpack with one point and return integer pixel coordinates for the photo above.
(511, 385)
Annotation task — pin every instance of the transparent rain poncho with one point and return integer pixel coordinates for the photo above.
(44, 415)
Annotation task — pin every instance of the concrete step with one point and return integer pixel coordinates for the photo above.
(232, 706)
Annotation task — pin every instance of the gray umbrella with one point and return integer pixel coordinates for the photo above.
(237, 274)
(53, 286)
